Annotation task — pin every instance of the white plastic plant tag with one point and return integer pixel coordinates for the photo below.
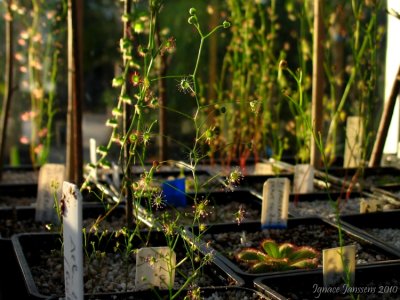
(51, 177)
(263, 169)
(335, 262)
(275, 203)
(155, 267)
(93, 156)
(303, 181)
(115, 175)
(71, 203)
(353, 145)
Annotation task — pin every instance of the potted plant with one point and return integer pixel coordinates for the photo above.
(114, 254)
(228, 241)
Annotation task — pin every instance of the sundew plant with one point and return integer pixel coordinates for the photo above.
(364, 49)
(134, 122)
(257, 121)
(38, 52)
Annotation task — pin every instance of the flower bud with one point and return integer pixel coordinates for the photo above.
(192, 20)
(192, 11)
(226, 24)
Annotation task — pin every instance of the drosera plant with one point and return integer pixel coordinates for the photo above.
(133, 121)
(271, 256)
(305, 119)
(38, 57)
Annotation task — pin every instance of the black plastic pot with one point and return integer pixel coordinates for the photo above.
(256, 183)
(220, 293)
(378, 281)
(162, 175)
(220, 205)
(345, 201)
(368, 177)
(14, 219)
(29, 255)
(11, 280)
(381, 220)
(315, 232)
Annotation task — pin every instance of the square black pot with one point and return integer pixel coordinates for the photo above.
(370, 225)
(225, 240)
(378, 281)
(22, 219)
(29, 255)
(221, 207)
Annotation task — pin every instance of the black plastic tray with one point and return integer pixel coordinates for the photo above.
(372, 246)
(387, 219)
(376, 281)
(27, 243)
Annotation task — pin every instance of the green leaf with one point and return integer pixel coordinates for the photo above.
(251, 255)
(303, 253)
(271, 248)
(272, 264)
(286, 249)
(308, 263)
(261, 267)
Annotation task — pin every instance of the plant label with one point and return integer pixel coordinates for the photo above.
(263, 169)
(354, 140)
(71, 203)
(337, 263)
(51, 177)
(115, 175)
(303, 181)
(155, 267)
(93, 157)
(275, 203)
(174, 192)
(371, 205)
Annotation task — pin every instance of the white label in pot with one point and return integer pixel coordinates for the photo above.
(51, 177)
(337, 263)
(155, 267)
(71, 203)
(275, 203)
(371, 205)
(115, 175)
(353, 145)
(263, 169)
(303, 181)
(93, 157)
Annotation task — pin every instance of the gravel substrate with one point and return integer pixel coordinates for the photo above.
(314, 235)
(8, 227)
(18, 177)
(388, 235)
(324, 208)
(216, 213)
(235, 294)
(108, 273)
(8, 201)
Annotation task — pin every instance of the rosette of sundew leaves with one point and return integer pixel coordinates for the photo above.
(272, 256)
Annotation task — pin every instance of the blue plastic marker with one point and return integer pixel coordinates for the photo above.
(174, 192)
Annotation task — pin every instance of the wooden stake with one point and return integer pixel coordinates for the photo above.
(74, 160)
(384, 124)
(317, 81)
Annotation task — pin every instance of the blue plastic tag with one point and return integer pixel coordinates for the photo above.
(174, 192)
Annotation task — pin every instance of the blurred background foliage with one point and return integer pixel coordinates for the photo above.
(242, 88)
